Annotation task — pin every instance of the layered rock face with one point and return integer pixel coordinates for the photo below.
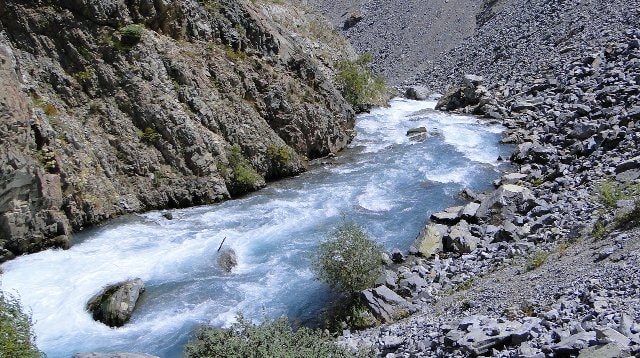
(109, 107)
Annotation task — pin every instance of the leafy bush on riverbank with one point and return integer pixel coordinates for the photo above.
(360, 87)
(16, 337)
(349, 261)
(273, 338)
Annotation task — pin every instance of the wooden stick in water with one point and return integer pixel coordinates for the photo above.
(222, 243)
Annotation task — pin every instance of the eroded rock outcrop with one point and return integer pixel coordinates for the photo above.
(111, 107)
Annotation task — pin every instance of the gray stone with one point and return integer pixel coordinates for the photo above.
(469, 212)
(521, 106)
(477, 342)
(450, 216)
(388, 278)
(633, 163)
(227, 259)
(414, 282)
(575, 343)
(429, 241)
(512, 178)
(459, 239)
(506, 195)
(419, 93)
(391, 342)
(610, 350)
(472, 80)
(507, 233)
(385, 304)
(114, 304)
(610, 335)
(582, 131)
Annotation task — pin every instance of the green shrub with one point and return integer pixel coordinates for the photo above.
(281, 155)
(349, 261)
(149, 135)
(359, 86)
(131, 34)
(273, 338)
(536, 260)
(234, 55)
(609, 193)
(360, 317)
(246, 177)
(16, 337)
(86, 75)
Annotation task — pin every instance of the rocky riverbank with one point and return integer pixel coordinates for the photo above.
(111, 107)
(546, 265)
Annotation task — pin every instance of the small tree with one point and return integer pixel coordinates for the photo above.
(349, 261)
(360, 87)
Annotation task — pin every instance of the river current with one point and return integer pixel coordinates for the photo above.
(383, 181)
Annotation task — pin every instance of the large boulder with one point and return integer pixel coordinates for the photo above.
(385, 304)
(419, 93)
(429, 241)
(508, 195)
(114, 304)
(530, 152)
(459, 239)
(449, 216)
(468, 97)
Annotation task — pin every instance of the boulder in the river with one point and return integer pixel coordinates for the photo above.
(112, 355)
(114, 304)
(227, 259)
(417, 134)
(419, 93)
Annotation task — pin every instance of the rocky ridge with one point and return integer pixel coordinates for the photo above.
(113, 107)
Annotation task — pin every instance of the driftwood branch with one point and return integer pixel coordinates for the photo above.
(222, 243)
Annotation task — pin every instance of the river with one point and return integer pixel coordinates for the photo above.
(383, 181)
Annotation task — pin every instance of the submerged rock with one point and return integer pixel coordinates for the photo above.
(227, 259)
(114, 305)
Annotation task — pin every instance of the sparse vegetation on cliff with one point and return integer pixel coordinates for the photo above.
(131, 34)
(360, 87)
(246, 177)
(282, 155)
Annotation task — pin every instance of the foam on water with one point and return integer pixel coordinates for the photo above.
(384, 182)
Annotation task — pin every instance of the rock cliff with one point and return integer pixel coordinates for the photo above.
(109, 107)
